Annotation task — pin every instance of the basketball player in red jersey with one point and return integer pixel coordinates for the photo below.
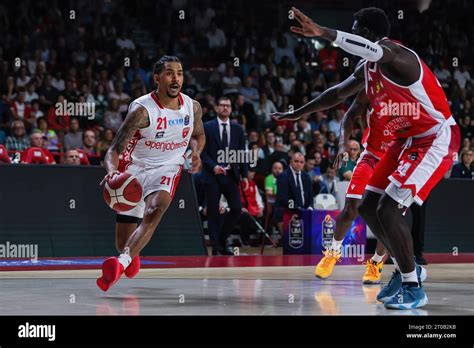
(402, 88)
(154, 136)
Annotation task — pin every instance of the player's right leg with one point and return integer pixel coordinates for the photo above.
(124, 227)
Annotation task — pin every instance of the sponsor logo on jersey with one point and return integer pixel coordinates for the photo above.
(186, 131)
(186, 120)
(176, 122)
(165, 145)
(159, 134)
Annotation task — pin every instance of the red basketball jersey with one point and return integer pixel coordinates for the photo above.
(405, 111)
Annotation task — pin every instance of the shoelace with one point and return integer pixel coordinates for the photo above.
(391, 279)
(328, 256)
(372, 268)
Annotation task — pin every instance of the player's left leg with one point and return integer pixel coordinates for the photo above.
(423, 164)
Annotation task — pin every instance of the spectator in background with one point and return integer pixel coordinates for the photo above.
(72, 157)
(230, 83)
(30, 93)
(321, 164)
(113, 118)
(137, 70)
(271, 179)
(302, 129)
(329, 181)
(122, 97)
(467, 130)
(328, 57)
(124, 42)
(331, 146)
(19, 108)
(23, 78)
(252, 206)
(105, 140)
(347, 168)
(216, 37)
(37, 140)
(89, 142)
(18, 141)
(52, 140)
(269, 146)
(283, 50)
(58, 119)
(465, 168)
(444, 77)
(263, 110)
(48, 94)
(35, 112)
(467, 109)
(279, 155)
(250, 92)
(463, 79)
(58, 82)
(101, 103)
(244, 113)
(73, 139)
(287, 83)
(335, 124)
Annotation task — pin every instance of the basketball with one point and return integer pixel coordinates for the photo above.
(122, 192)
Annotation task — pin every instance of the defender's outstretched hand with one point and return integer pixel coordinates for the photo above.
(285, 116)
(308, 27)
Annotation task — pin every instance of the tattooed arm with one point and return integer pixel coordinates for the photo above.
(137, 118)
(198, 138)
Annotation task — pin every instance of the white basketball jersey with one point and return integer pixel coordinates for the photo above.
(165, 140)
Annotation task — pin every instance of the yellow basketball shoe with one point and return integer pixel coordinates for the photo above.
(326, 265)
(373, 272)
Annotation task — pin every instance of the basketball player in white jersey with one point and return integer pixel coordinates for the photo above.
(155, 134)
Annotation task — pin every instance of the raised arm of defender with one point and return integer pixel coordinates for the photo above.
(329, 98)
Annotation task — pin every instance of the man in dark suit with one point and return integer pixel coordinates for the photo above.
(294, 189)
(221, 174)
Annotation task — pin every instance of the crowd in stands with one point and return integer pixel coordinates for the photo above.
(96, 52)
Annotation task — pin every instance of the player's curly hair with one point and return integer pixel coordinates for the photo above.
(374, 19)
(160, 64)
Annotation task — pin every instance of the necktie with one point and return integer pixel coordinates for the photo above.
(225, 141)
(298, 190)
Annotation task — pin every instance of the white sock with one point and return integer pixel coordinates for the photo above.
(395, 263)
(410, 277)
(125, 260)
(336, 244)
(377, 258)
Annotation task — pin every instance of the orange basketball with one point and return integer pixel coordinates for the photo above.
(123, 192)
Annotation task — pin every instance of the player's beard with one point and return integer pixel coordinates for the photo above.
(172, 96)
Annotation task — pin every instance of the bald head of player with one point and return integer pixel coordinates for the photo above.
(371, 23)
(168, 75)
